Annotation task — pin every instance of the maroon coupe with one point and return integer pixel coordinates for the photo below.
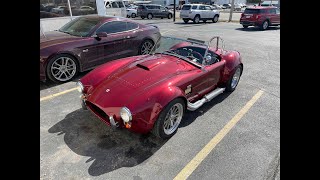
(151, 92)
(89, 41)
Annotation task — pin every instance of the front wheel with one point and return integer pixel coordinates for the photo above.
(169, 119)
(62, 68)
(169, 16)
(133, 15)
(234, 79)
(196, 19)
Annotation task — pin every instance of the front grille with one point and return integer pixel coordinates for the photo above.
(98, 112)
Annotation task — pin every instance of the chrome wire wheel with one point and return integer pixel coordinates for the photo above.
(146, 47)
(173, 119)
(63, 68)
(235, 78)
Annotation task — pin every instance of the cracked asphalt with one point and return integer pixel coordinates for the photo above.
(74, 144)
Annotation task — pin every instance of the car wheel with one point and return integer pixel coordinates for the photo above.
(142, 17)
(215, 19)
(133, 15)
(62, 68)
(186, 20)
(128, 16)
(264, 25)
(196, 19)
(169, 119)
(234, 79)
(169, 16)
(146, 47)
(149, 16)
(245, 26)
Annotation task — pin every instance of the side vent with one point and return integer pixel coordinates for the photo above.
(143, 67)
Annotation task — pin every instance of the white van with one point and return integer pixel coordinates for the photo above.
(115, 8)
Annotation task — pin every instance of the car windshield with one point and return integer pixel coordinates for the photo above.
(190, 50)
(79, 27)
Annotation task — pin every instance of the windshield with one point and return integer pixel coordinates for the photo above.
(190, 50)
(79, 27)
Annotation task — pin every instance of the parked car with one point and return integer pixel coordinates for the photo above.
(132, 12)
(261, 16)
(215, 6)
(198, 12)
(171, 7)
(59, 9)
(153, 10)
(152, 92)
(88, 41)
(44, 14)
(83, 10)
(227, 6)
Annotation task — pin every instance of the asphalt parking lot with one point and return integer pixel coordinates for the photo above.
(74, 144)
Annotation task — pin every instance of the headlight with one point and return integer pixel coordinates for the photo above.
(80, 86)
(125, 114)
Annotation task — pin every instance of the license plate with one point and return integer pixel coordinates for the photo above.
(248, 16)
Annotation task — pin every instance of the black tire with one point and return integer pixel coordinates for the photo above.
(245, 26)
(141, 46)
(133, 15)
(149, 16)
(50, 71)
(215, 19)
(196, 19)
(158, 128)
(128, 16)
(186, 20)
(169, 16)
(229, 87)
(142, 17)
(204, 21)
(161, 17)
(264, 25)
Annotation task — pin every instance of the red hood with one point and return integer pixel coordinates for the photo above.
(135, 78)
(55, 38)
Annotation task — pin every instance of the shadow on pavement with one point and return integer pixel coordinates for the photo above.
(109, 149)
(250, 29)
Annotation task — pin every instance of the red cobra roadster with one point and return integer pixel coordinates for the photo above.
(152, 92)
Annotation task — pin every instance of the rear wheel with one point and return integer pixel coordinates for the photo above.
(264, 25)
(196, 19)
(245, 26)
(215, 19)
(169, 16)
(149, 16)
(169, 119)
(185, 20)
(146, 47)
(234, 79)
(62, 68)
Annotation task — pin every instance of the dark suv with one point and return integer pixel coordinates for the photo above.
(153, 10)
(260, 16)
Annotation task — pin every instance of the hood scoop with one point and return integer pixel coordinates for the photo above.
(148, 65)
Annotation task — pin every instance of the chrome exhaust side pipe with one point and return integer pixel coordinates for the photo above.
(208, 97)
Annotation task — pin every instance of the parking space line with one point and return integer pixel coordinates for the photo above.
(57, 94)
(195, 162)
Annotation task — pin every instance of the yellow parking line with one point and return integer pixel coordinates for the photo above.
(58, 94)
(195, 162)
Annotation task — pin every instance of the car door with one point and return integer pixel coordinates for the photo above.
(132, 42)
(202, 11)
(114, 45)
(163, 12)
(208, 12)
(214, 72)
(272, 15)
